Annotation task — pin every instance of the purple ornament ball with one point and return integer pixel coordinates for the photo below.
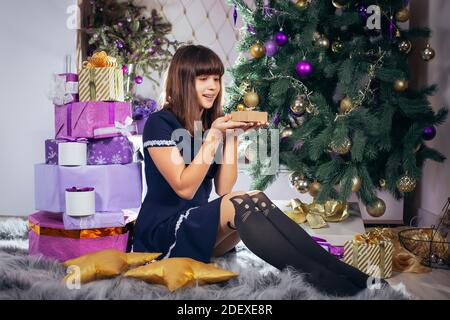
(138, 79)
(125, 69)
(119, 45)
(157, 41)
(281, 38)
(362, 11)
(271, 48)
(303, 68)
(429, 133)
(151, 51)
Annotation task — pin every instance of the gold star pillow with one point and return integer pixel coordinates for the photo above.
(175, 273)
(107, 264)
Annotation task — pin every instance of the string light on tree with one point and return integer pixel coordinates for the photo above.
(400, 85)
(323, 43)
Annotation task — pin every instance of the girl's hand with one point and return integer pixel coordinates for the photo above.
(224, 123)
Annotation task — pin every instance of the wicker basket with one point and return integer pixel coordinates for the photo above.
(428, 244)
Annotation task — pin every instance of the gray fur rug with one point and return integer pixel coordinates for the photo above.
(25, 277)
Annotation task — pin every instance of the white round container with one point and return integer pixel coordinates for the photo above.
(72, 154)
(80, 203)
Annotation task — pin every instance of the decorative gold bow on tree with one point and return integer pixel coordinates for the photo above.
(317, 214)
(100, 60)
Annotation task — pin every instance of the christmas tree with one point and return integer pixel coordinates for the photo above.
(138, 41)
(334, 75)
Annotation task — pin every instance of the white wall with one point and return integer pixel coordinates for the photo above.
(435, 182)
(34, 40)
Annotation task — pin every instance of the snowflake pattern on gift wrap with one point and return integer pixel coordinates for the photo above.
(116, 159)
(100, 160)
(51, 153)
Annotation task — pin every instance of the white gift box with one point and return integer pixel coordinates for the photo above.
(80, 203)
(72, 154)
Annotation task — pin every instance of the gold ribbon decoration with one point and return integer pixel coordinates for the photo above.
(100, 60)
(77, 234)
(317, 214)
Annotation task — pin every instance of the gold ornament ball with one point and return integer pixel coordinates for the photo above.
(406, 184)
(356, 184)
(346, 104)
(341, 148)
(323, 42)
(286, 132)
(336, 46)
(382, 183)
(314, 188)
(301, 4)
(294, 177)
(402, 15)
(257, 50)
(299, 106)
(400, 85)
(251, 99)
(428, 53)
(339, 3)
(240, 107)
(302, 185)
(377, 208)
(404, 46)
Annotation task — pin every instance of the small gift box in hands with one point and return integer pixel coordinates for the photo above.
(246, 113)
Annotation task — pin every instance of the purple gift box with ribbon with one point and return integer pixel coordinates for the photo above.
(48, 237)
(82, 119)
(98, 220)
(338, 252)
(116, 186)
(115, 150)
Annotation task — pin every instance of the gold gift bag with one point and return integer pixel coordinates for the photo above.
(374, 259)
(101, 79)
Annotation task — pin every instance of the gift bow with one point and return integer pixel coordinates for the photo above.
(316, 214)
(100, 60)
(374, 236)
(75, 189)
(127, 128)
(60, 94)
(73, 139)
(140, 113)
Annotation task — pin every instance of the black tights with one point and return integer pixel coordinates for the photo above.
(275, 238)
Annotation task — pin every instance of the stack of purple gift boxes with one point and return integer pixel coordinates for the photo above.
(89, 182)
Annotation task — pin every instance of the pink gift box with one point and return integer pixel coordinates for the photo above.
(80, 119)
(48, 237)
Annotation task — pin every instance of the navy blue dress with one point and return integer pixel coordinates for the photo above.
(168, 223)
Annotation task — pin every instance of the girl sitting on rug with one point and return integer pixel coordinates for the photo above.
(176, 217)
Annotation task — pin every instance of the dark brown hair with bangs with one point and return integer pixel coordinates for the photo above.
(180, 96)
